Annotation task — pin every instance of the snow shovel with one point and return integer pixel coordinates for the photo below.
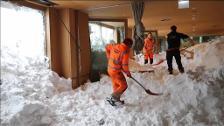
(146, 90)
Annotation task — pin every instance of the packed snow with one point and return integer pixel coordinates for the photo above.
(33, 95)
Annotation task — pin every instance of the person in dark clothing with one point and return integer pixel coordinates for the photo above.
(173, 39)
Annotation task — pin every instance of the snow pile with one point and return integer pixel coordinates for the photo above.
(186, 101)
(135, 67)
(208, 54)
(27, 83)
(32, 114)
(35, 95)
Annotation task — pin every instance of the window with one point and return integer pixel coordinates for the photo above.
(100, 36)
(102, 33)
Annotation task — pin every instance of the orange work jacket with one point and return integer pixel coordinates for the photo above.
(118, 56)
(148, 45)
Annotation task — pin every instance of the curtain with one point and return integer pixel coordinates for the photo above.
(138, 30)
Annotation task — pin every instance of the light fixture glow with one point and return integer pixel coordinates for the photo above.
(183, 4)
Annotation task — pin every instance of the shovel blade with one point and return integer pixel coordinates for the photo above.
(152, 93)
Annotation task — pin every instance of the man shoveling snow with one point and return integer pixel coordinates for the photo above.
(118, 56)
(173, 48)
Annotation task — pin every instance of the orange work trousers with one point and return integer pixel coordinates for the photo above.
(119, 83)
(148, 55)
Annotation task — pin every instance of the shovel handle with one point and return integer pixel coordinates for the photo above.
(138, 83)
(146, 90)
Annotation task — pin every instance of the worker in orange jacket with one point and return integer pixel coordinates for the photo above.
(118, 58)
(148, 48)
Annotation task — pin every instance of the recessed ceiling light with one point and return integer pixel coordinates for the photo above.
(183, 4)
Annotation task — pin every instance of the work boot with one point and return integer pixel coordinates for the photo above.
(170, 72)
(151, 61)
(146, 61)
(117, 99)
(111, 101)
(181, 70)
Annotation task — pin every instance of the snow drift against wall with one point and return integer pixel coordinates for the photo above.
(35, 95)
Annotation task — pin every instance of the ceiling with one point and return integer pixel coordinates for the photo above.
(204, 17)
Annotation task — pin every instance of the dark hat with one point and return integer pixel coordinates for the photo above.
(173, 28)
(128, 42)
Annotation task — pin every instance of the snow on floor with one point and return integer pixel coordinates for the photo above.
(32, 95)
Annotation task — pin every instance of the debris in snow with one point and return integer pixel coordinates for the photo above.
(101, 122)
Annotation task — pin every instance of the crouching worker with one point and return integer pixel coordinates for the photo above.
(148, 48)
(118, 57)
